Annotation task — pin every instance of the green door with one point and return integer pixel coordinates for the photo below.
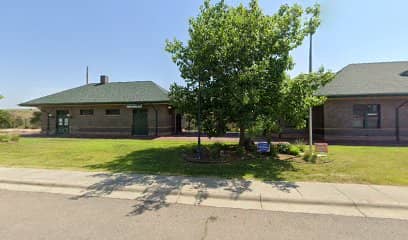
(62, 122)
(140, 122)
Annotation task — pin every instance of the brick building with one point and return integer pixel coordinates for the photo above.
(121, 109)
(365, 102)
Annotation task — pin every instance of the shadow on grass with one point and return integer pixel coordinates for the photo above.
(167, 164)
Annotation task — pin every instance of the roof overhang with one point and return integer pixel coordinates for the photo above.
(91, 103)
(366, 95)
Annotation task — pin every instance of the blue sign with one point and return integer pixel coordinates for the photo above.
(263, 147)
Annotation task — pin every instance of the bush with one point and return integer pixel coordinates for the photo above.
(35, 120)
(310, 157)
(4, 138)
(6, 120)
(14, 137)
(300, 143)
(283, 148)
(240, 151)
(215, 150)
(9, 138)
(294, 150)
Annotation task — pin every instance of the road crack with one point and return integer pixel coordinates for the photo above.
(209, 219)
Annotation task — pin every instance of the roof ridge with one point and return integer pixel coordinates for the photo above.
(381, 62)
(131, 91)
(126, 81)
(161, 88)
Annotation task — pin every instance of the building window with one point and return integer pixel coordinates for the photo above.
(85, 112)
(114, 112)
(366, 116)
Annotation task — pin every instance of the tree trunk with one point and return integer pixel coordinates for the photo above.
(241, 136)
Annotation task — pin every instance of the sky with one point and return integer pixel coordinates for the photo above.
(45, 45)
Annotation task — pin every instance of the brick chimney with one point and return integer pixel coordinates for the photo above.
(104, 79)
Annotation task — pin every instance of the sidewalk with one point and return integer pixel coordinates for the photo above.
(152, 192)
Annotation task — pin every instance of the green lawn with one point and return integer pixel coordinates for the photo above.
(376, 165)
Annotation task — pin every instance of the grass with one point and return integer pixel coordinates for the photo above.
(347, 164)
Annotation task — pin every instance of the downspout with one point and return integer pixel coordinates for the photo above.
(397, 127)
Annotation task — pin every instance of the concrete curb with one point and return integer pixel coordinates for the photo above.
(206, 195)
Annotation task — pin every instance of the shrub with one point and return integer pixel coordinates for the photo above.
(300, 143)
(4, 138)
(35, 120)
(283, 148)
(6, 120)
(294, 150)
(240, 151)
(9, 138)
(215, 150)
(14, 138)
(310, 157)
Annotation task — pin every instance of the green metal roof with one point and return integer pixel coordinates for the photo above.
(369, 79)
(114, 92)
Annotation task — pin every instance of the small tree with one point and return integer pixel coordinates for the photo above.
(35, 120)
(6, 120)
(18, 122)
(239, 56)
(299, 94)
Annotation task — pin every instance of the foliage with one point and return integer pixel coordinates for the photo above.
(17, 118)
(14, 137)
(238, 57)
(9, 137)
(6, 120)
(299, 95)
(310, 157)
(287, 148)
(294, 150)
(35, 120)
(283, 148)
(264, 126)
(18, 122)
(300, 143)
(215, 150)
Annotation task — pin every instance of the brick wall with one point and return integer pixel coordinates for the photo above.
(100, 124)
(338, 117)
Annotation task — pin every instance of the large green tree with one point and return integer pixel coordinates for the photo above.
(298, 94)
(239, 56)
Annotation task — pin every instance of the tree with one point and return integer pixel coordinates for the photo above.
(35, 120)
(239, 56)
(298, 95)
(18, 122)
(6, 120)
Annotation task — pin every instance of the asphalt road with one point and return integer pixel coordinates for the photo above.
(25, 215)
